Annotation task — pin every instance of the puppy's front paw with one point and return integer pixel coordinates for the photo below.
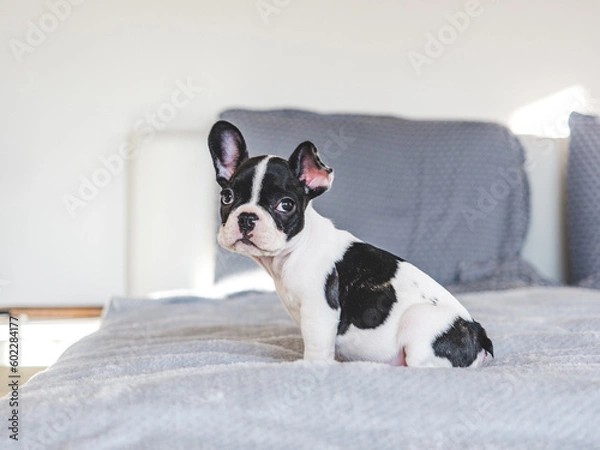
(322, 362)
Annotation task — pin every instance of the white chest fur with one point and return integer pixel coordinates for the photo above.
(300, 271)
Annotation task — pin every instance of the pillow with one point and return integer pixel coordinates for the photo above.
(440, 194)
(583, 200)
(497, 275)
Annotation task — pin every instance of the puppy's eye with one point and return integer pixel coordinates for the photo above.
(286, 205)
(227, 197)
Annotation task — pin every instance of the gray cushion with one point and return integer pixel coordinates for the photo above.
(444, 195)
(583, 199)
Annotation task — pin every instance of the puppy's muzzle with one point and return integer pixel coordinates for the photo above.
(246, 222)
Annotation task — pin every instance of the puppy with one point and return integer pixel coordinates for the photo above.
(351, 300)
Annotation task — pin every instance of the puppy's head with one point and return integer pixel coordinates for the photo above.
(263, 198)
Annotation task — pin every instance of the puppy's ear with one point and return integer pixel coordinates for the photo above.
(228, 150)
(310, 170)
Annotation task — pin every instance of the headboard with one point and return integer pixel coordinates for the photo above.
(172, 212)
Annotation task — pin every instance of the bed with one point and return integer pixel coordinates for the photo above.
(193, 372)
(198, 373)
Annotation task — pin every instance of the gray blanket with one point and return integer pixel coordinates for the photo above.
(189, 373)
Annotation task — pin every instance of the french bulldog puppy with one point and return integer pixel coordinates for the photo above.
(352, 301)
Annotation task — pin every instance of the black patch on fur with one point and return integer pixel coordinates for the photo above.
(366, 295)
(279, 183)
(462, 343)
(332, 293)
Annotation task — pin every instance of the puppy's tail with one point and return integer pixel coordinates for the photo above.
(484, 340)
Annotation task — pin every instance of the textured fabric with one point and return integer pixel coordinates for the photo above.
(193, 373)
(583, 199)
(436, 193)
(497, 275)
(592, 282)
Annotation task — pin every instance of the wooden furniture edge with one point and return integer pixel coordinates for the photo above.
(55, 313)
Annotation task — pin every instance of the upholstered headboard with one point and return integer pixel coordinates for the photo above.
(172, 212)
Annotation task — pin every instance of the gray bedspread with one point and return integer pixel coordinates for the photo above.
(186, 373)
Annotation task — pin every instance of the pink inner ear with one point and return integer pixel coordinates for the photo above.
(314, 177)
(229, 158)
(227, 167)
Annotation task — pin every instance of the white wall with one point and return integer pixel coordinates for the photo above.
(77, 95)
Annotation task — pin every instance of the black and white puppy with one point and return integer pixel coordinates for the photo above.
(351, 300)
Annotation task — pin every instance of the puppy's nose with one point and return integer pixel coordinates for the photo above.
(246, 222)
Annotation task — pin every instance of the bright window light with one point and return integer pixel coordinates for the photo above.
(549, 116)
(41, 342)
